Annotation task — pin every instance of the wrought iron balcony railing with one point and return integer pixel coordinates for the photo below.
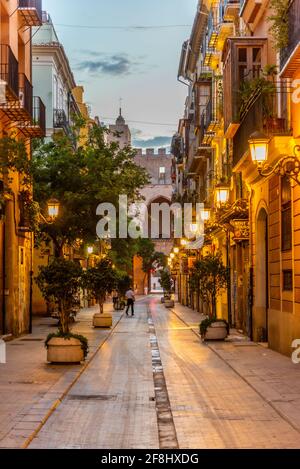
(31, 12)
(20, 109)
(9, 68)
(293, 46)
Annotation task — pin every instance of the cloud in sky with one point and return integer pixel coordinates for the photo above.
(161, 141)
(115, 64)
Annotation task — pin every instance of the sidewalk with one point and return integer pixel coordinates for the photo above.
(272, 375)
(29, 387)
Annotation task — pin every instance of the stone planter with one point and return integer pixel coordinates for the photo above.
(102, 320)
(169, 303)
(64, 351)
(217, 331)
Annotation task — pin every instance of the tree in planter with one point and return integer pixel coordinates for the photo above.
(209, 276)
(100, 280)
(166, 282)
(60, 283)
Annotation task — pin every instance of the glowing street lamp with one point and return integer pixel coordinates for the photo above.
(183, 242)
(222, 195)
(53, 208)
(205, 215)
(90, 250)
(176, 250)
(259, 148)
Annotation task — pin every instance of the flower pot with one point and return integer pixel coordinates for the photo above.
(62, 350)
(102, 320)
(169, 303)
(216, 331)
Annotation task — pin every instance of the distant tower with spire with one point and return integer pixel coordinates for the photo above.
(122, 130)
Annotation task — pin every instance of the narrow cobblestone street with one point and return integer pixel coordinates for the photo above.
(224, 395)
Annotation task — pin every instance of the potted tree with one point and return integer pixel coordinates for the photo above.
(59, 283)
(99, 281)
(167, 284)
(209, 276)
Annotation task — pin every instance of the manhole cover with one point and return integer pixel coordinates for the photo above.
(92, 397)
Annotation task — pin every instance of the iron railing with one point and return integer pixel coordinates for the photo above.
(25, 93)
(39, 114)
(60, 120)
(294, 32)
(9, 68)
(32, 4)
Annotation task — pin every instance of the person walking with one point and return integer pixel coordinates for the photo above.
(130, 301)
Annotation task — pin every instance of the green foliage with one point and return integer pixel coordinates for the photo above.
(250, 90)
(100, 280)
(69, 336)
(209, 277)
(145, 248)
(82, 177)
(279, 20)
(208, 322)
(166, 281)
(124, 282)
(30, 211)
(60, 283)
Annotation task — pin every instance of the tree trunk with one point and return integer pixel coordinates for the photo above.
(101, 301)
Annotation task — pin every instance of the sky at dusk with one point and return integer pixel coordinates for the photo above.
(122, 49)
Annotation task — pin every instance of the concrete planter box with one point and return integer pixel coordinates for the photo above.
(217, 331)
(65, 351)
(102, 320)
(169, 303)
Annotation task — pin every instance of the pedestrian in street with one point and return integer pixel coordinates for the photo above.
(130, 301)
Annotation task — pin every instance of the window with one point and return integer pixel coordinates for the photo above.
(162, 175)
(287, 280)
(250, 62)
(286, 214)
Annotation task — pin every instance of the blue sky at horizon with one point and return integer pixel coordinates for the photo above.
(127, 58)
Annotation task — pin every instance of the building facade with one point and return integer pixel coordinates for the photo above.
(119, 132)
(160, 168)
(242, 85)
(53, 78)
(22, 117)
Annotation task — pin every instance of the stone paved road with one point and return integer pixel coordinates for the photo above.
(213, 406)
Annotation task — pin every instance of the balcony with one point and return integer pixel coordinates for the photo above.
(9, 69)
(36, 126)
(219, 28)
(251, 10)
(20, 109)
(31, 12)
(244, 58)
(290, 56)
(255, 120)
(231, 9)
(60, 121)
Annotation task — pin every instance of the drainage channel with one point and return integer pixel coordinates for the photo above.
(166, 427)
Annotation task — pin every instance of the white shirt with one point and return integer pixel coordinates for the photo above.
(129, 295)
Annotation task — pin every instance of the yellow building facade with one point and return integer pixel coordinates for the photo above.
(241, 84)
(22, 117)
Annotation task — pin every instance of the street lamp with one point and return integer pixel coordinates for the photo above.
(53, 209)
(90, 250)
(288, 165)
(205, 215)
(222, 194)
(183, 242)
(176, 250)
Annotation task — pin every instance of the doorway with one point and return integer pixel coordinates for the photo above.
(261, 322)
